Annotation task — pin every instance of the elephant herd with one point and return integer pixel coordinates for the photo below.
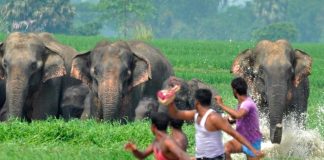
(40, 77)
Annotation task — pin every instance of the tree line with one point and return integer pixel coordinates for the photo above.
(295, 20)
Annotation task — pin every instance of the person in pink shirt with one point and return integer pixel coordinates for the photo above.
(247, 120)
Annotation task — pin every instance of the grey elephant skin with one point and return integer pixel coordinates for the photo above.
(184, 98)
(120, 74)
(73, 101)
(2, 92)
(277, 76)
(34, 66)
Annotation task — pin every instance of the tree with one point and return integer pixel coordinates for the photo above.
(184, 18)
(35, 15)
(123, 14)
(271, 11)
(87, 19)
(277, 31)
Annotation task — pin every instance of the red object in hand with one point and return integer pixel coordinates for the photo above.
(165, 94)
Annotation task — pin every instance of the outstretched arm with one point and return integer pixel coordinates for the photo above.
(183, 114)
(236, 114)
(222, 124)
(139, 154)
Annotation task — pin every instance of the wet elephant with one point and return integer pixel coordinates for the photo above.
(120, 74)
(34, 69)
(277, 76)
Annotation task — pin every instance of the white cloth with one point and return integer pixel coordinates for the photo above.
(208, 144)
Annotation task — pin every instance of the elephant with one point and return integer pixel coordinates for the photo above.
(120, 74)
(34, 66)
(73, 101)
(277, 78)
(2, 92)
(145, 107)
(184, 98)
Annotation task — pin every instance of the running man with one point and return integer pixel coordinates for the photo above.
(163, 146)
(247, 120)
(177, 134)
(208, 125)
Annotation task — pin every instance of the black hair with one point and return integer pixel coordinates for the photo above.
(160, 120)
(239, 85)
(203, 96)
(176, 123)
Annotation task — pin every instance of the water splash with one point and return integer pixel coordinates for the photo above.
(297, 142)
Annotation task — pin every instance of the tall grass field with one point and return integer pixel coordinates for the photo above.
(209, 61)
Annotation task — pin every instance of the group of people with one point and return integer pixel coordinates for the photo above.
(209, 126)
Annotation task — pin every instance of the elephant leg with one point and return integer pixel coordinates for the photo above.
(298, 106)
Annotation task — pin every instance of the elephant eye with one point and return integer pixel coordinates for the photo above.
(4, 64)
(129, 72)
(33, 66)
(94, 71)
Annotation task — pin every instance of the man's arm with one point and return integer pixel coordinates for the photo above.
(222, 124)
(175, 149)
(233, 113)
(139, 154)
(183, 114)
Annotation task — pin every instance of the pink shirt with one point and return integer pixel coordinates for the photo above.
(248, 126)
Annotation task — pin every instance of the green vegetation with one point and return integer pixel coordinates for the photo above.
(209, 61)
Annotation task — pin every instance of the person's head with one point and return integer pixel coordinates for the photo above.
(203, 97)
(176, 123)
(239, 87)
(160, 121)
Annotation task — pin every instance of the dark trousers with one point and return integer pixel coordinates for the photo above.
(220, 157)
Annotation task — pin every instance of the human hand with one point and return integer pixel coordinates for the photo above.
(166, 96)
(219, 100)
(130, 147)
(259, 154)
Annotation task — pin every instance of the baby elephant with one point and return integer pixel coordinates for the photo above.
(184, 99)
(73, 101)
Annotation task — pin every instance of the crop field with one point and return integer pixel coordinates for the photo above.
(209, 61)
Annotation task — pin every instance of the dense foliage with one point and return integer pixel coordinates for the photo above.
(181, 19)
(34, 15)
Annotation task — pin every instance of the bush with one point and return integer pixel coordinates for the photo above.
(88, 29)
(142, 32)
(276, 31)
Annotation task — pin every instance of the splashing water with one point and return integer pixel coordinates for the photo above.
(297, 142)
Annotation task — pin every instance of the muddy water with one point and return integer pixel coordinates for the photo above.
(297, 143)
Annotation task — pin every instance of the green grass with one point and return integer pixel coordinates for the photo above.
(209, 61)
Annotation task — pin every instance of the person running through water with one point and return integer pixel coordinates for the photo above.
(163, 146)
(177, 134)
(247, 120)
(208, 125)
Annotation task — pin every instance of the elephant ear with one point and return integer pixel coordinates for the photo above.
(142, 67)
(2, 72)
(302, 66)
(243, 64)
(81, 67)
(54, 65)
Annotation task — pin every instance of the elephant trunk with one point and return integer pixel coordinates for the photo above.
(109, 96)
(16, 91)
(277, 104)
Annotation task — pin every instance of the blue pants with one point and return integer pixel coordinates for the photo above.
(256, 144)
